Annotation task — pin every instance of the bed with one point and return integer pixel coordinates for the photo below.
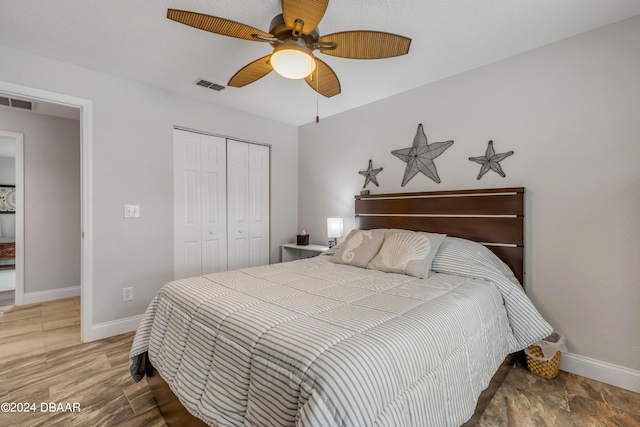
(327, 341)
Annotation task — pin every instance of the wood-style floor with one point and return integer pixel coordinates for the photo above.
(42, 360)
(7, 298)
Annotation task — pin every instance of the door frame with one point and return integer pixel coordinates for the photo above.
(86, 202)
(19, 245)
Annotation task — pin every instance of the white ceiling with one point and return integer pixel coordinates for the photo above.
(135, 40)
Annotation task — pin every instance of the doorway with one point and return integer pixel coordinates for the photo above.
(85, 177)
(11, 218)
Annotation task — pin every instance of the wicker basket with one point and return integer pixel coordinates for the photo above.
(548, 369)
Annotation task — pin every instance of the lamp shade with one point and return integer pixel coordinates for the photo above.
(334, 227)
(292, 61)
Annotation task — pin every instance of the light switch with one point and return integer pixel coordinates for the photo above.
(132, 211)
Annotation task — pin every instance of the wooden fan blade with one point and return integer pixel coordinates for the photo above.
(309, 11)
(366, 44)
(251, 72)
(324, 79)
(216, 25)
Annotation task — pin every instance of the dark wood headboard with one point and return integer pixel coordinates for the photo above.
(493, 217)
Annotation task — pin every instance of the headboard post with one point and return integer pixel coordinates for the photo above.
(493, 217)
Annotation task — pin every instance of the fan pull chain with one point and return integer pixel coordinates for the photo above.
(317, 90)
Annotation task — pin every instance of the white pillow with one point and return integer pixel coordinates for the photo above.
(359, 247)
(407, 252)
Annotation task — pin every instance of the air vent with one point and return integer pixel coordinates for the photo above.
(17, 103)
(208, 84)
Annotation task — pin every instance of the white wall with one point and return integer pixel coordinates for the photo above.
(51, 198)
(132, 164)
(570, 112)
(7, 177)
(7, 169)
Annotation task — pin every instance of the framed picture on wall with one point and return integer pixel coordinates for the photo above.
(8, 199)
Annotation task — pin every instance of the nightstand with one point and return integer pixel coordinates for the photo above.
(292, 252)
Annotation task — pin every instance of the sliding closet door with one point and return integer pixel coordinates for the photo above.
(258, 205)
(199, 204)
(238, 204)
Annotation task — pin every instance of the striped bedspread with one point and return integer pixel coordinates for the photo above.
(312, 343)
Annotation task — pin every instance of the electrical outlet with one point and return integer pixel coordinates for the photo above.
(127, 294)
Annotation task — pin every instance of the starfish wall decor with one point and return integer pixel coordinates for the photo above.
(491, 161)
(420, 156)
(370, 175)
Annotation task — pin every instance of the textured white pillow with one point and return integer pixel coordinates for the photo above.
(359, 247)
(407, 252)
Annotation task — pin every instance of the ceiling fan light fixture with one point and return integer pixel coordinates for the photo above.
(292, 60)
(294, 36)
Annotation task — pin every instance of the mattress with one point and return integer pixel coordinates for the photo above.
(312, 343)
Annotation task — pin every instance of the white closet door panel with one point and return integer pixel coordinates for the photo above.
(259, 204)
(237, 204)
(191, 254)
(214, 251)
(214, 225)
(190, 197)
(186, 204)
(221, 204)
(238, 253)
(214, 204)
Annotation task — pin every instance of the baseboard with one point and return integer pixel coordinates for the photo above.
(50, 295)
(116, 327)
(601, 371)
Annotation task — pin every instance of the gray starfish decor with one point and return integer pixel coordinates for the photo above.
(420, 156)
(370, 175)
(491, 161)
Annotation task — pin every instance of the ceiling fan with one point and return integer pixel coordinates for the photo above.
(294, 36)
